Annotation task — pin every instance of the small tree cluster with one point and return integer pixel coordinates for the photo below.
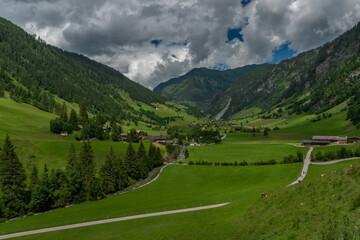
(332, 155)
(299, 157)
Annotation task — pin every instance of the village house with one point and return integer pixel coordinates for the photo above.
(315, 143)
(331, 139)
(353, 139)
(157, 138)
(64, 133)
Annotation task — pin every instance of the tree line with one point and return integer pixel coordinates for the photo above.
(323, 156)
(22, 193)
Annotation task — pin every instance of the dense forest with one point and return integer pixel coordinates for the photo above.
(44, 189)
(35, 72)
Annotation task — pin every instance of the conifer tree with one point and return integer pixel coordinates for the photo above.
(108, 173)
(64, 114)
(12, 181)
(83, 112)
(41, 198)
(76, 190)
(44, 101)
(142, 160)
(121, 174)
(87, 165)
(151, 157)
(186, 153)
(34, 177)
(266, 132)
(159, 160)
(73, 120)
(131, 163)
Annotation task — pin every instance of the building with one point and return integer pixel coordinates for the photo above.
(157, 138)
(315, 143)
(353, 139)
(332, 139)
(64, 133)
(123, 136)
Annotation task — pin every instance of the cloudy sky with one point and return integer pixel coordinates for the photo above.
(151, 41)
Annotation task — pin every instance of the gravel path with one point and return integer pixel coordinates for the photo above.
(52, 229)
(304, 171)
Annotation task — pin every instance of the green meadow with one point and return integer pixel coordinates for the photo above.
(249, 152)
(177, 187)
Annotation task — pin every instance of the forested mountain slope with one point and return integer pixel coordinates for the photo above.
(313, 81)
(200, 85)
(34, 72)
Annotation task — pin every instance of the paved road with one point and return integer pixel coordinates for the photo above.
(52, 229)
(334, 161)
(304, 171)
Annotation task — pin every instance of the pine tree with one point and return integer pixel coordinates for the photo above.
(131, 163)
(121, 174)
(83, 112)
(76, 189)
(12, 181)
(142, 160)
(42, 198)
(151, 157)
(64, 114)
(87, 165)
(73, 120)
(34, 177)
(108, 173)
(159, 160)
(44, 101)
(186, 153)
(266, 132)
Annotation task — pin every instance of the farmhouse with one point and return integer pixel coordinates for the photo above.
(157, 138)
(332, 139)
(123, 136)
(315, 143)
(353, 139)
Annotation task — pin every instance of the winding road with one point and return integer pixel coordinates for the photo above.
(307, 162)
(77, 225)
(334, 161)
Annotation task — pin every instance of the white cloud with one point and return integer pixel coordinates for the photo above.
(192, 33)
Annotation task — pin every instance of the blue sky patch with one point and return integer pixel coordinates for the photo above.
(245, 2)
(282, 52)
(234, 33)
(220, 66)
(156, 42)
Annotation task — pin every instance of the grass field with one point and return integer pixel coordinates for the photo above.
(319, 208)
(251, 152)
(177, 187)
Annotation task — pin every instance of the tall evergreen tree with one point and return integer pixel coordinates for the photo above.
(151, 157)
(131, 163)
(87, 165)
(186, 153)
(45, 101)
(42, 198)
(83, 112)
(159, 160)
(12, 181)
(34, 177)
(142, 160)
(76, 189)
(73, 120)
(64, 114)
(108, 173)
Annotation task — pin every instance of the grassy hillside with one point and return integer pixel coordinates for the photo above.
(29, 128)
(320, 208)
(198, 86)
(41, 75)
(178, 187)
(312, 82)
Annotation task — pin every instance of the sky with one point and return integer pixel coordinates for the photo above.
(151, 41)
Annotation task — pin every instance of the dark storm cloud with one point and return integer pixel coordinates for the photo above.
(120, 33)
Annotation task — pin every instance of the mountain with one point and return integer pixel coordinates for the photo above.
(200, 85)
(37, 73)
(313, 81)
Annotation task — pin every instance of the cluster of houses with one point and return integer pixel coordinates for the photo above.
(152, 138)
(326, 140)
